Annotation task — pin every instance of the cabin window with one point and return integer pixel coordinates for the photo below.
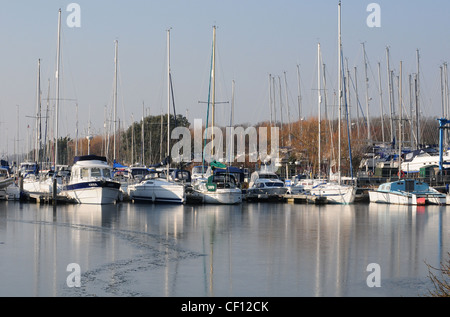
(95, 172)
(268, 176)
(84, 173)
(183, 175)
(106, 172)
(275, 184)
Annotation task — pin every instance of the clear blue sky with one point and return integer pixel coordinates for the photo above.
(255, 38)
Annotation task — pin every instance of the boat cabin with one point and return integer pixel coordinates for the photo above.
(221, 180)
(404, 185)
(29, 168)
(91, 167)
(138, 173)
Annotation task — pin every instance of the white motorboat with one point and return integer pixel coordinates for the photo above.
(156, 189)
(407, 192)
(5, 178)
(91, 181)
(33, 184)
(129, 175)
(8, 189)
(413, 161)
(266, 184)
(42, 183)
(296, 189)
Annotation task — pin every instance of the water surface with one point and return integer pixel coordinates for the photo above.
(252, 249)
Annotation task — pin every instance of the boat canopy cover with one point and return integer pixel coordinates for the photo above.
(89, 158)
(229, 169)
(216, 164)
(238, 172)
(118, 165)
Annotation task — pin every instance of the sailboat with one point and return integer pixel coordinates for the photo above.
(219, 186)
(37, 182)
(336, 192)
(212, 187)
(160, 188)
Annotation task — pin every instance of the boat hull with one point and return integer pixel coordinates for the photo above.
(335, 194)
(172, 193)
(267, 192)
(222, 196)
(438, 199)
(99, 192)
(6, 182)
(39, 186)
(407, 198)
(391, 198)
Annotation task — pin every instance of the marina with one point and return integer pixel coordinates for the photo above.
(240, 158)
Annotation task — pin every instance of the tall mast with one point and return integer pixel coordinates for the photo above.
(400, 122)
(319, 100)
(232, 103)
(325, 104)
(132, 138)
(230, 159)
(57, 87)
(411, 122)
(299, 97)
(339, 91)
(281, 110)
(287, 106)
(445, 95)
(381, 102)
(168, 102)
(417, 102)
(390, 95)
(270, 98)
(444, 90)
(116, 50)
(47, 144)
(105, 131)
(393, 99)
(142, 135)
(347, 89)
(16, 141)
(367, 94)
(357, 101)
(38, 113)
(213, 89)
(274, 101)
(89, 136)
(76, 132)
